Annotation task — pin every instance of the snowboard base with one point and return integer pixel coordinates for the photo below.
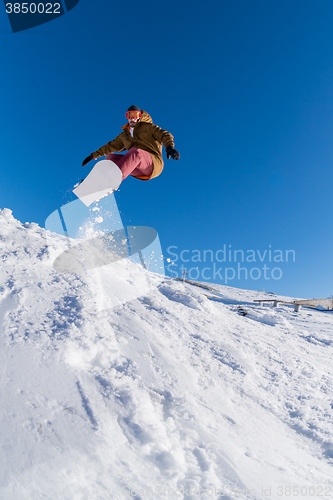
(103, 179)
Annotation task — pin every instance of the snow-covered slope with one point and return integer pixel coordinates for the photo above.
(170, 395)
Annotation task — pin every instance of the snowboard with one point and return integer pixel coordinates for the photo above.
(103, 179)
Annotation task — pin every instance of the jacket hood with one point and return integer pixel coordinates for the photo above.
(145, 117)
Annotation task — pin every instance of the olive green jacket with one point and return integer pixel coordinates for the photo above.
(146, 136)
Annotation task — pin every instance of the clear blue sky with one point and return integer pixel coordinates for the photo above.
(244, 87)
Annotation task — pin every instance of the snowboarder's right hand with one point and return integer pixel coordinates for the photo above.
(87, 160)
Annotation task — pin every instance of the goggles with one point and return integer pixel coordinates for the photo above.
(133, 114)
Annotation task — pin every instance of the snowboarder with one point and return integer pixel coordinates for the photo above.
(143, 141)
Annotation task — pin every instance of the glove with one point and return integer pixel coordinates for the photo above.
(87, 160)
(170, 151)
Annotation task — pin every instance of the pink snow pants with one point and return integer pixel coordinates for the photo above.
(135, 162)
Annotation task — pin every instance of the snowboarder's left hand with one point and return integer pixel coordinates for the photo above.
(170, 151)
(87, 160)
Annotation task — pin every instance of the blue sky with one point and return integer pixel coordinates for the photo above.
(244, 87)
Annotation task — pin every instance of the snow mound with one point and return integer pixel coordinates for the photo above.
(268, 317)
(166, 395)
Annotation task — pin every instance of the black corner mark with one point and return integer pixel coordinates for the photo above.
(24, 15)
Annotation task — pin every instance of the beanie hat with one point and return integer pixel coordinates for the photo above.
(134, 108)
